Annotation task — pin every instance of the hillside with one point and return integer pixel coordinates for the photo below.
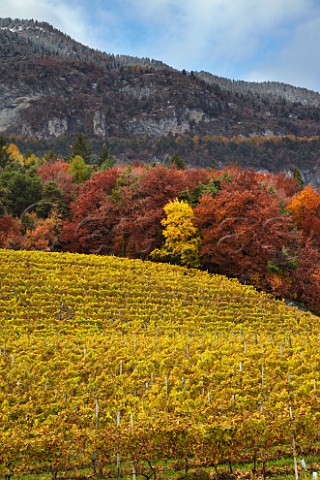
(52, 88)
(110, 365)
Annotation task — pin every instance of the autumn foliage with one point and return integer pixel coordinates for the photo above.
(260, 227)
(305, 210)
(244, 229)
(10, 235)
(181, 236)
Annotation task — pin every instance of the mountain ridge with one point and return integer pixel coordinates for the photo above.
(53, 88)
(283, 90)
(289, 92)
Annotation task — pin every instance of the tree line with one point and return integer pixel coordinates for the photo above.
(262, 228)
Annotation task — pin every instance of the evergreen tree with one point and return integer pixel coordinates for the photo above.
(105, 160)
(51, 198)
(4, 154)
(79, 169)
(177, 161)
(82, 148)
(24, 188)
(298, 176)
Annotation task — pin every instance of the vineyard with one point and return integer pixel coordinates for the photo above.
(112, 367)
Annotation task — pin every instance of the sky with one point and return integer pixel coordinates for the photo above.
(254, 40)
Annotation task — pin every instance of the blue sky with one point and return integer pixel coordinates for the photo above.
(254, 40)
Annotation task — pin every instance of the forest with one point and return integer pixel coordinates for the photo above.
(261, 228)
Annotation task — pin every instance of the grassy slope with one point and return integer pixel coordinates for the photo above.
(172, 350)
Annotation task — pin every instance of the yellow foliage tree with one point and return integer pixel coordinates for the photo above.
(15, 153)
(181, 236)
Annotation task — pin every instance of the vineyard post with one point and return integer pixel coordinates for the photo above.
(118, 454)
(97, 414)
(294, 448)
(94, 458)
(134, 473)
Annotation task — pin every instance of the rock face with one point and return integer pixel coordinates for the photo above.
(99, 124)
(57, 126)
(52, 87)
(11, 107)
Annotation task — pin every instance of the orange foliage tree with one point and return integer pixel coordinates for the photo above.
(45, 234)
(305, 210)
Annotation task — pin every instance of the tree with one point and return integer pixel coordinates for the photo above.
(15, 153)
(177, 161)
(57, 171)
(51, 198)
(24, 188)
(45, 233)
(244, 229)
(305, 210)
(10, 234)
(298, 176)
(182, 237)
(4, 154)
(79, 169)
(4, 192)
(89, 231)
(105, 160)
(82, 148)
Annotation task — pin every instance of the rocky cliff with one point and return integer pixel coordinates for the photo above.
(52, 88)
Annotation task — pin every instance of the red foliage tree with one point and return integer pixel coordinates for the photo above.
(93, 215)
(157, 186)
(10, 234)
(192, 177)
(244, 230)
(306, 278)
(57, 171)
(119, 211)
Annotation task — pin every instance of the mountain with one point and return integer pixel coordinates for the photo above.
(53, 87)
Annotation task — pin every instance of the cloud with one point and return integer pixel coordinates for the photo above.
(223, 31)
(298, 61)
(68, 16)
(265, 40)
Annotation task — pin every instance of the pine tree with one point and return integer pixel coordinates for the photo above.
(105, 160)
(4, 154)
(82, 148)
